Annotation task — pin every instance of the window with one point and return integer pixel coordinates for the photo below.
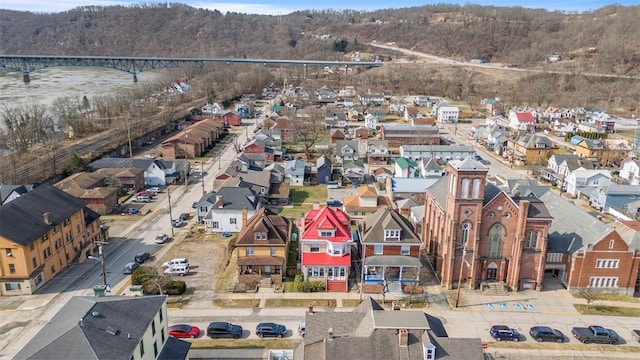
(12, 268)
(273, 251)
(232, 221)
(55, 229)
(12, 286)
(56, 245)
(66, 222)
(160, 313)
(162, 336)
(155, 349)
(261, 235)
(465, 189)
(141, 348)
(611, 242)
(8, 252)
(79, 229)
(465, 233)
(46, 253)
(476, 189)
(68, 237)
(249, 251)
(531, 239)
(326, 233)
(378, 249)
(603, 282)
(334, 249)
(314, 248)
(153, 327)
(34, 262)
(38, 279)
(496, 235)
(554, 257)
(607, 263)
(45, 237)
(405, 250)
(315, 271)
(215, 225)
(392, 234)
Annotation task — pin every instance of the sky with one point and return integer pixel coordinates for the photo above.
(282, 7)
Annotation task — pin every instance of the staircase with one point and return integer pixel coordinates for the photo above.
(265, 285)
(494, 288)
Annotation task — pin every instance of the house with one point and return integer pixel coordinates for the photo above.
(297, 172)
(258, 181)
(270, 147)
(337, 135)
(521, 121)
(377, 152)
(378, 112)
(371, 99)
(612, 196)
(590, 148)
(92, 189)
(584, 252)
(355, 113)
(583, 181)
(285, 127)
(43, 232)
(371, 332)
(229, 118)
(194, 140)
(478, 132)
(335, 119)
(361, 133)
(12, 192)
(112, 327)
(559, 166)
(410, 134)
(381, 174)
(390, 250)
(211, 109)
(410, 113)
(405, 168)
(371, 122)
(531, 149)
(347, 150)
(324, 170)
(447, 114)
(325, 245)
(263, 245)
(497, 139)
(441, 153)
(227, 209)
(131, 179)
(607, 152)
(252, 161)
(353, 172)
(366, 201)
(429, 167)
(156, 172)
(479, 234)
(629, 171)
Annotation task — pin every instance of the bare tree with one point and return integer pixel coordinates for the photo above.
(590, 294)
(308, 130)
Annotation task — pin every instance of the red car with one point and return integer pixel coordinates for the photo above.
(184, 331)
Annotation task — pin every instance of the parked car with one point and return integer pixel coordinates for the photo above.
(224, 329)
(181, 270)
(545, 333)
(184, 331)
(194, 205)
(184, 216)
(143, 198)
(302, 328)
(154, 189)
(130, 267)
(176, 222)
(140, 258)
(161, 238)
(133, 211)
(502, 332)
(334, 203)
(174, 262)
(595, 334)
(269, 329)
(635, 334)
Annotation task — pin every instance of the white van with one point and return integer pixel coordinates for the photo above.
(176, 262)
(181, 270)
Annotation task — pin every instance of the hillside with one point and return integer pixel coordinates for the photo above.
(507, 35)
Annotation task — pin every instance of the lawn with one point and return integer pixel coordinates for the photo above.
(322, 303)
(611, 297)
(350, 302)
(554, 346)
(207, 343)
(294, 212)
(607, 310)
(309, 194)
(236, 303)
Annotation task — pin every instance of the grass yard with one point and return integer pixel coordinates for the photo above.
(228, 274)
(554, 346)
(321, 303)
(611, 297)
(236, 303)
(350, 302)
(294, 212)
(177, 302)
(607, 310)
(206, 343)
(309, 194)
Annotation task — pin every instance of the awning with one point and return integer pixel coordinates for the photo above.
(261, 260)
(392, 260)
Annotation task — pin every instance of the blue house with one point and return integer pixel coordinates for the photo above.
(324, 170)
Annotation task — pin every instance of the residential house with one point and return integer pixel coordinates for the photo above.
(229, 118)
(353, 172)
(347, 150)
(377, 152)
(371, 122)
(371, 332)
(590, 148)
(12, 192)
(378, 112)
(297, 172)
(497, 139)
(324, 170)
(531, 149)
(381, 174)
(447, 114)
(479, 234)
(404, 206)
(405, 168)
(406, 187)
(336, 135)
(227, 209)
(584, 252)
(370, 99)
(252, 161)
(43, 232)
(521, 121)
(423, 101)
(270, 147)
(212, 109)
(126, 179)
(243, 109)
(429, 167)
(365, 202)
(325, 245)
(410, 113)
(348, 91)
(612, 196)
(442, 153)
(268, 135)
(361, 133)
(194, 140)
(92, 189)
(263, 245)
(285, 127)
(616, 151)
(112, 327)
(258, 181)
(478, 132)
(559, 166)
(355, 113)
(410, 134)
(156, 172)
(390, 251)
(605, 122)
(629, 171)
(583, 181)
(335, 119)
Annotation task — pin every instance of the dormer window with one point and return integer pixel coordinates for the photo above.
(392, 235)
(260, 235)
(327, 233)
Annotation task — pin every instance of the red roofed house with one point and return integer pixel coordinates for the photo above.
(521, 121)
(325, 239)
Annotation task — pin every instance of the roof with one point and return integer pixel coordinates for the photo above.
(275, 226)
(525, 117)
(468, 164)
(438, 148)
(314, 259)
(174, 349)
(385, 218)
(234, 198)
(454, 348)
(125, 163)
(25, 213)
(405, 163)
(6, 190)
(412, 185)
(438, 190)
(90, 327)
(323, 160)
(326, 218)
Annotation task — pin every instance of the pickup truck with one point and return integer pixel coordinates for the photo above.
(595, 334)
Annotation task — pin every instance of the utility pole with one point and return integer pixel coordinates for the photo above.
(462, 262)
(202, 176)
(129, 137)
(170, 214)
(101, 259)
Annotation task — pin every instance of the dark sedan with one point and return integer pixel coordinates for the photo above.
(130, 267)
(269, 329)
(140, 258)
(545, 333)
(224, 329)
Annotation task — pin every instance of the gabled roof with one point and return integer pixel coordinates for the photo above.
(90, 327)
(6, 190)
(385, 218)
(22, 221)
(430, 164)
(367, 192)
(259, 178)
(326, 218)
(234, 198)
(323, 160)
(275, 226)
(405, 163)
(125, 163)
(525, 117)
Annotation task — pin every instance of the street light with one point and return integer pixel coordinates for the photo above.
(101, 259)
(464, 253)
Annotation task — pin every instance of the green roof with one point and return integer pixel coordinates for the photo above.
(404, 163)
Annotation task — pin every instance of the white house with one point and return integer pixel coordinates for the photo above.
(583, 180)
(346, 150)
(296, 172)
(211, 109)
(156, 172)
(228, 209)
(429, 167)
(447, 114)
(521, 121)
(438, 152)
(370, 121)
(630, 171)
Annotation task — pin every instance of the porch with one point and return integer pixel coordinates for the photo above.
(392, 271)
(261, 265)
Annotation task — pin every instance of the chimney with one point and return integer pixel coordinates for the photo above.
(219, 201)
(330, 333)
(47, 218)
(311, 308)
(403, 337)
(244, 217)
